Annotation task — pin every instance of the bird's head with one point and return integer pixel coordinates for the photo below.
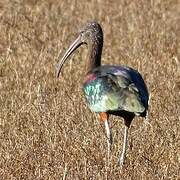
(90, 34)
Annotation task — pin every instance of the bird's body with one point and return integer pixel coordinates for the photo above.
(116, 90)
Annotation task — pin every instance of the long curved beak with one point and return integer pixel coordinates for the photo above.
(71, 49)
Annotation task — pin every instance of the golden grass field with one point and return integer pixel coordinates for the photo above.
(46, 128)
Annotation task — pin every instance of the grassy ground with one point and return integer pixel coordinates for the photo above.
(46, 128)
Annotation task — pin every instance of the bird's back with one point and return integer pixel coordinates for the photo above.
(115, 88)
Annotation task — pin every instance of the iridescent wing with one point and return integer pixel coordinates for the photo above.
(112, 88)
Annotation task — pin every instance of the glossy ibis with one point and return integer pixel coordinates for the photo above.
(116, 90)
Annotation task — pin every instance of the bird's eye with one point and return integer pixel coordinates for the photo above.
(81, 32)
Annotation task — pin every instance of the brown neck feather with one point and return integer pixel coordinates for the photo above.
(94, 55)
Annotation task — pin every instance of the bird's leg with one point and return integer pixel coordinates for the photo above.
(125, 142)
(104, 117)
(109, 134)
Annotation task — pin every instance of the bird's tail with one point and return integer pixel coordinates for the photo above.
(147, 113)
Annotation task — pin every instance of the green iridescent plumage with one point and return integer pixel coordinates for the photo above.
(110, 92)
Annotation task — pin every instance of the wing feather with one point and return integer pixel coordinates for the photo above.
(113, 90)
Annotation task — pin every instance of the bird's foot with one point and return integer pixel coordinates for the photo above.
(121, 162)
(109, 145)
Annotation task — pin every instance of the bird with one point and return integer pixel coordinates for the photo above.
(109, 89)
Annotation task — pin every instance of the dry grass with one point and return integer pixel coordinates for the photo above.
(46, 128)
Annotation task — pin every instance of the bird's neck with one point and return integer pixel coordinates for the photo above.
(94, 56)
